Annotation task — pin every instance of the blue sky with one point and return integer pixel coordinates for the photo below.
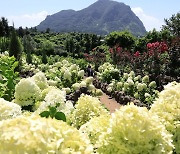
(28, 13)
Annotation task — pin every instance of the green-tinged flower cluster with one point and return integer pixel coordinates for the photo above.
(135, 130)
(27, 92)
(95, 127)
(33, 134)
(108, 72)
(62, 74)
(55, 97)
(135, 86)
(167, 107)
(86, 108)
(40, 80)
(8, 110)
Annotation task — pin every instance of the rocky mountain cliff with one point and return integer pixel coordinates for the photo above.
(102, 17)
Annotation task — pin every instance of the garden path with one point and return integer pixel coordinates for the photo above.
(110, 103)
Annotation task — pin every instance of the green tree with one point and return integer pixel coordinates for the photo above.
(28, 47)
(124, 39)
(173, 24)
(21, 32)
(153, 36)
(4, 28)
(15, 46)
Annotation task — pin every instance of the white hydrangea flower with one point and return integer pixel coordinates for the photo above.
(40, 80)
(99, 92)
(147, 95)
(83, 84)
(95, 127)
(67, 75)
(76, 86)
(58, 64)
(145, 79)
(52, 83)
(167, 107)
(132, 125)
(136, 95)
(89, 80)
(67, 109)
(109, 89)
(86, 108)
(132, 74)
(33, 134)
(8, 110)
(130, 82)
(152, 84)
(27, 92)
(55, 96)
(74, 67)
(119, 85)
(125, 75)
(67, 90)
(81, 73)
(65, 62)
(91, 87)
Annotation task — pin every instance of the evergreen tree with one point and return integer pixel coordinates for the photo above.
(28, 48)
(15, 46)
(4, 28)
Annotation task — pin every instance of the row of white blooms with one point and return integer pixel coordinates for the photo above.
(130, 129)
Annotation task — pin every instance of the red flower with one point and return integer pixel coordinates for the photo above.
(137, 54)
(153, 45)
(149, 45)
(157, 44)
(118, 49)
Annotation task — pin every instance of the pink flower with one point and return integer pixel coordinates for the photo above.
(137, 54)
(149, 45)
(157, 44)
(118, 49)
(153, 45)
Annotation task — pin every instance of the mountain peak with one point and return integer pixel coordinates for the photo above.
(102, 17)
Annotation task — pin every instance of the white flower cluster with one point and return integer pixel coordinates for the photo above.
(134, 129)
(167, 107)
(27, 92)
(55, 97)
(95, 127)
(107, 72)
(40, 80)
(86, 108)
(105, 66)
(8, 110)
(33, 134)
(135, 86)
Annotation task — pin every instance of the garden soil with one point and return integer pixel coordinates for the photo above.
(110, 103)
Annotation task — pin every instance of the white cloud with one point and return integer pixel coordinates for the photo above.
(149, 22)
(27, 20)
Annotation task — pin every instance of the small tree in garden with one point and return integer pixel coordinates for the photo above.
(15, 47)
(97, 56)
(28, 48)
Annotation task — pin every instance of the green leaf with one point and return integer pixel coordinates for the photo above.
(60, 116)
(52, 111)
(45, 114)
